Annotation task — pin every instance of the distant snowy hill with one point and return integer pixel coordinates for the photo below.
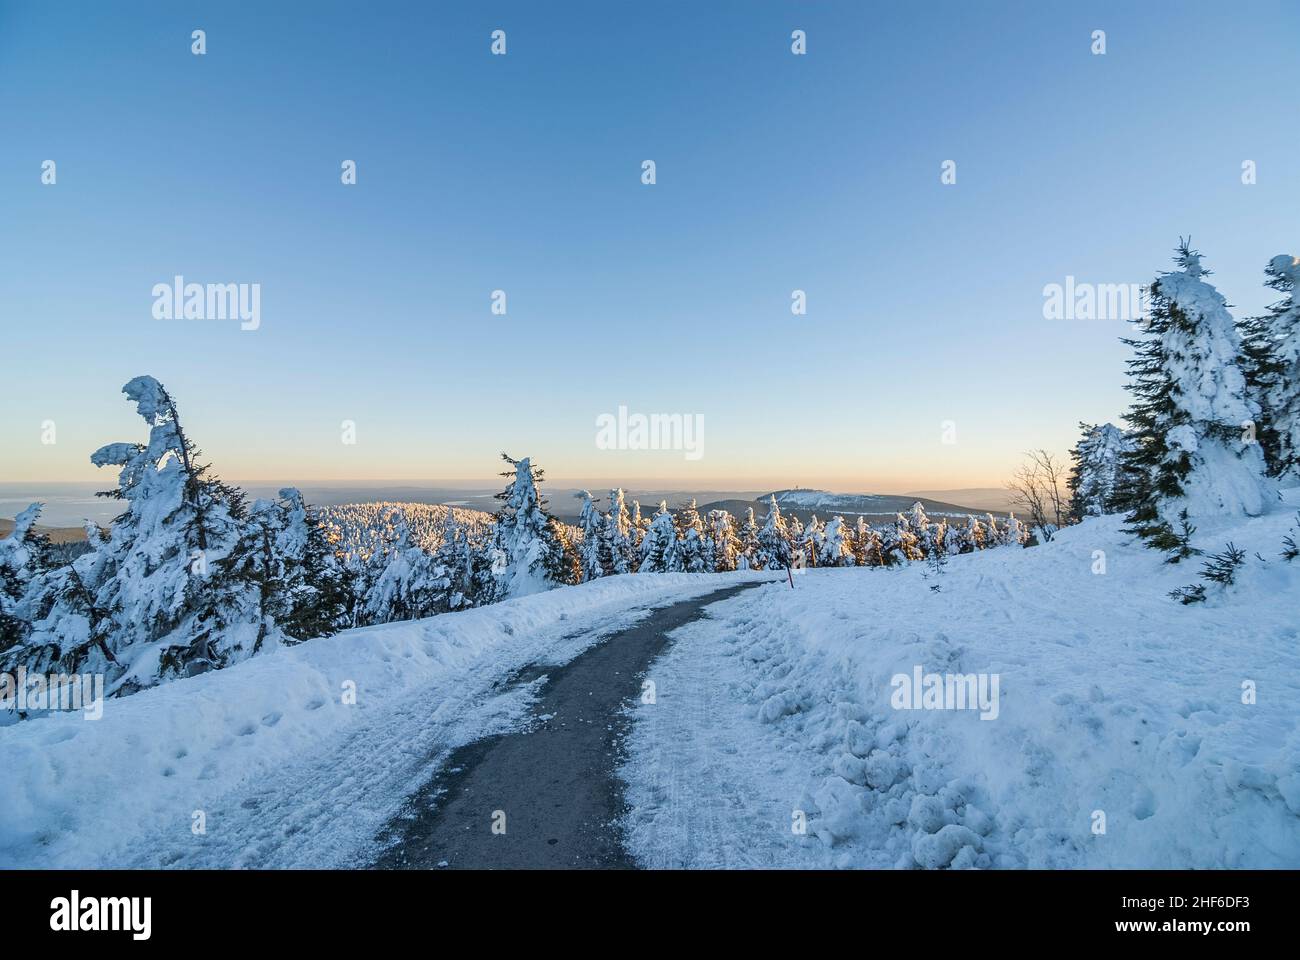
(995, 499)
(804, 503)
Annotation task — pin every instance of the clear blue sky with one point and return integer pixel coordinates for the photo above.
(522, 172)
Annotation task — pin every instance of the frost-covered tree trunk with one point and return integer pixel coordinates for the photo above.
(1194, 448)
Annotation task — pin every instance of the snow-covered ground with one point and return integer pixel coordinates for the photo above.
(284, 772)
(1113, 700)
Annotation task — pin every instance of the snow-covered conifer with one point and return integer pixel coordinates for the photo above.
(173, 606)
(834, 549)
(24, 557)
(412, 584)
(692, 547)
(527, 535)
(811, 540)
(591, 523)
(906, 542)
(659, 548)
(1271, 365)
(723, 538)
(1190, 417)
(63, 613)
(748, 543)
(297, 588)
(1095, 479)
(773, 546)
(618, 534)
(639, 527)
(922, 529)
(456, 556)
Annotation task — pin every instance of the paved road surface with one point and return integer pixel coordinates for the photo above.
(555, 783)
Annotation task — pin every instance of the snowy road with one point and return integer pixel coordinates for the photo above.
(545, 796)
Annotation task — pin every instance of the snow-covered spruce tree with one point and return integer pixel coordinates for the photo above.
(794, 535)
(1271, 366)
(592, 564)
(708, 549)
(936, 538)
(691, 546)
(723, 536)
(256, 563)
(317, 580)
(570, 543)
(659, 548)
(618, 534)
(1190, 411)
(1014, 533)
(924, 531)
(486, 562)
(975, 536)
(456, 556)
(865, 540)
(157, 599)
(811, 541)
(174, 606)
(296, 587)
(386, 538)
(773, 548)
(24, 558)
(953, 538)
(835, 548)
(413, 583)
(63, 613)
(639, 527)
(748, 545)
(527, 535)
(905, 542)
(694, 551)
(1094, 481)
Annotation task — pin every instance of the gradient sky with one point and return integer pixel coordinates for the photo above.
(522, 172)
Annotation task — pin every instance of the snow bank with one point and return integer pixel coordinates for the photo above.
(1116, 705)
(270, 758)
